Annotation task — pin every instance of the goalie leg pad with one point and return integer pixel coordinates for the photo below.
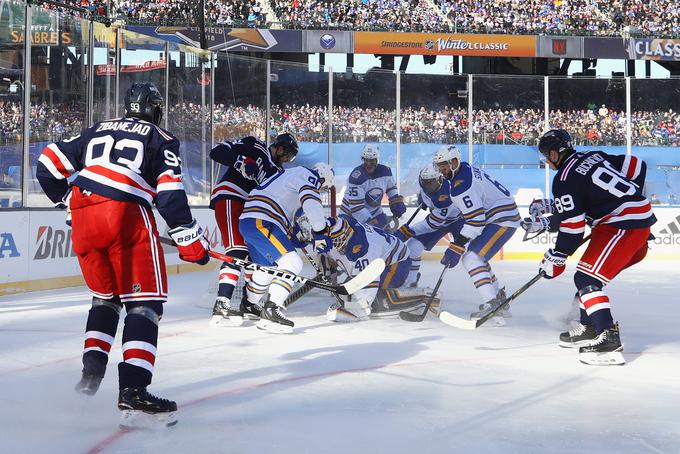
(389, 302)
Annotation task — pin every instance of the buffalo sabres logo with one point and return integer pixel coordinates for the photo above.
(443, 197)
(457, 183)
(374, 197)
(356, 174)
(356, 249)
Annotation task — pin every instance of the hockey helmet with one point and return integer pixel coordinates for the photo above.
(326, 173)
(340, 232)
(289, 144)
(143, 100)
(555, 139)
(370, 152)
(430, 179)
(446, 154)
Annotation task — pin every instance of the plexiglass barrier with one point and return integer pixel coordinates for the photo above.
(81, 70)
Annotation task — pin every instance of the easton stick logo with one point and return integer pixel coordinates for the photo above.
(53, 243)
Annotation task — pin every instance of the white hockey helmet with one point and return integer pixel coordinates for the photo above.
(447, 153)
(340, 233)
(430, 178)
(325, 172)
(370, 152)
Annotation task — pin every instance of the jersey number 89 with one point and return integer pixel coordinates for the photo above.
(564, 203)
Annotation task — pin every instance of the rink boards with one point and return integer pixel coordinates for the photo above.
(36, 252)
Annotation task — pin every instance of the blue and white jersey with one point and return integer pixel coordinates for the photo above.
(278, 198)
(482, 200)
(442, 210)
(363, 197)
(366, 244)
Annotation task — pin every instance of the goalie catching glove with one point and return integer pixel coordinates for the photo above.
(191, 244)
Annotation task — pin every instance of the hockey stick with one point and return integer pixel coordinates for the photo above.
(372, 271)
(410, 317)
(462, 323)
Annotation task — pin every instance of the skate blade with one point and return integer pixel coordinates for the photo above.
(341, 316)
(251, 317)
(275, 328)
(602, 359)
(137, 419)
(218, 320)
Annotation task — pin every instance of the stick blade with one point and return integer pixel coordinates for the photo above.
(457, 322)
(369, 274)
(412, 316)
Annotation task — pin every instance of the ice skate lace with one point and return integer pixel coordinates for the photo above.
(146, 395)
(580, 329)
(280, 313)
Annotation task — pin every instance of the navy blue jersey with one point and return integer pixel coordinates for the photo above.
(125, 159)
(602, 189)
(233, 184)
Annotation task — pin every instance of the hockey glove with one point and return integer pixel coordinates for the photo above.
(535, 225)
(191, 244)
(248, 168)
(397, 206)
(541, 207)
(553, 263)
(452, 255)
(404, 233)
(321, 241)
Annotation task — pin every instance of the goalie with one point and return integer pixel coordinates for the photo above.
(355, 245)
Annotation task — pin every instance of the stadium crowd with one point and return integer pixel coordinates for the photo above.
(596, 126)
(660, 18)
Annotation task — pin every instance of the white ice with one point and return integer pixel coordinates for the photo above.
(382, 386)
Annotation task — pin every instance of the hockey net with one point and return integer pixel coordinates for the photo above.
(328, 199)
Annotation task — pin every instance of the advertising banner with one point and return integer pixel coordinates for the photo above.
(444, 44)
(13, 246)
(654, 49)
(559, 47)
(232, 39)
(612, 48)
(328, 41)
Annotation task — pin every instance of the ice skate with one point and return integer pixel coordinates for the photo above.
(581, 336)
(273, 320)
(141, 409)
(490, 305)
(224, 315)
(413, 283)
(89, 384)
(337, 313)
(250, 311)
(605, 350)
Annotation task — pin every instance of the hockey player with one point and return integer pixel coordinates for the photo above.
(491, 218)
(365, 189)
(605, 190)
(124, 167)
(248, 162)
(355, 245)
(267, 226)
(443, 219)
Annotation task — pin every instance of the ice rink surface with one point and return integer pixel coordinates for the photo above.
(382, 386)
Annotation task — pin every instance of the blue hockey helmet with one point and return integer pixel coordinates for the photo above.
(143, 100)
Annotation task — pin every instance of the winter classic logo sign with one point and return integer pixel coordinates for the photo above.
(327, 41)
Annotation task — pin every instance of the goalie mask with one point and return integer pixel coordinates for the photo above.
(340, 233)
(430, 179)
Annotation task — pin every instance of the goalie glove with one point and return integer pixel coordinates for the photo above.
(535, 225)
(541, 207)
(191, 244)
(553, 263)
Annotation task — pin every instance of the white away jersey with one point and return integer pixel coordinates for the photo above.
(281, 195)
(442, 210)
(482, 201)
(364, 192)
